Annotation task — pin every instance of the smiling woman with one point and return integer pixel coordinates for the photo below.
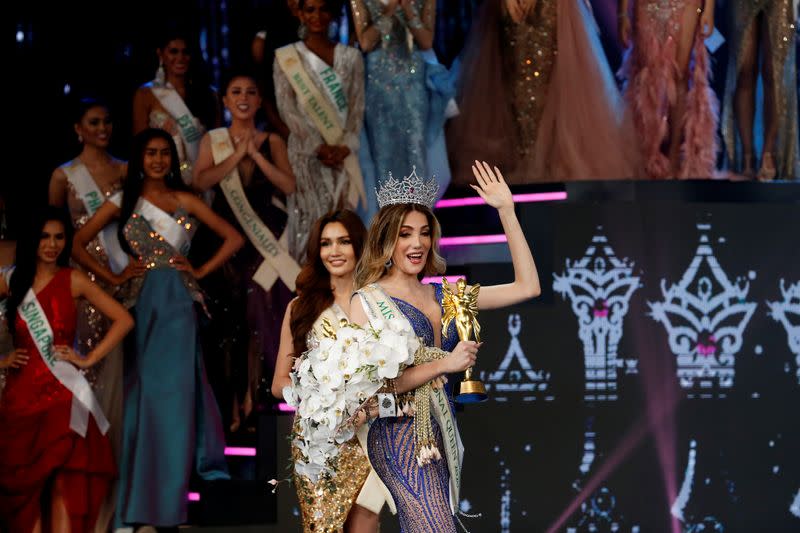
(324, 287)
(165, 378)
(248, 171)
(176, 101)
(83, 184)
(57, 463)
(402, 247)
(313, 75)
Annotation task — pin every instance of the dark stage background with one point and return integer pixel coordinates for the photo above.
(63, 51)
(654, 385)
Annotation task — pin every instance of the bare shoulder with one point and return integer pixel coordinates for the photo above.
(79, 281)
(187, 200)
(276, 142)
(58, 175)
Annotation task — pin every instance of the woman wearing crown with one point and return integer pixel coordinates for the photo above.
(418, 464)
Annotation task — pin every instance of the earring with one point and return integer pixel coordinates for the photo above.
(161, 76)
(141, 174)
(388, 264)
(80, 138)
(302, 32)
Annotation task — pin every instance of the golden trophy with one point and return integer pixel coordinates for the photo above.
(462, 306)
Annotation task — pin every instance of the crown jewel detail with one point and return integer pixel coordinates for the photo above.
(410, 190)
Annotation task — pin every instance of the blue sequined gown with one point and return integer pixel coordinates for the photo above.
(422, 494)
(406, 96)
(172, 423)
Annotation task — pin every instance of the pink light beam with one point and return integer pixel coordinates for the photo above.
(518, 199)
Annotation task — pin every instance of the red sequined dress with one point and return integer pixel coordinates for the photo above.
(37, 446)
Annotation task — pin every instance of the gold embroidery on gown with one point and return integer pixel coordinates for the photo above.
(324, 506)
(530, 53)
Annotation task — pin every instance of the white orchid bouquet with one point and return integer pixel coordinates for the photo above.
(333, 380)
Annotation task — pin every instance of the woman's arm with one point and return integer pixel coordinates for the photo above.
(57, 190)
(707, 19)
(232, 239)
(121, 321)
(141, 109)
(355, 103)
(367, 31)
(205, 173)
(278, 171)
(623, 23)
(462, 357)
(285, 361)
(495, 192)
(420, 24)
(102, 217)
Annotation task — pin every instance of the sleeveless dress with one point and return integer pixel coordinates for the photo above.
(172, 423)
(37, 443)
(92, 325)
(650, 74)
(778, 17)
(106, 376)
(420, 493)
(245, 319)
(406, 95)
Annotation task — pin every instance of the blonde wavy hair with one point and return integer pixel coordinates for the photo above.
(382, 239)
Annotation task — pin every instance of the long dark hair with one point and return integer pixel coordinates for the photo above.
(314, 281)
(85, 104)
(200, 97)
(27, 256)
(135, 179)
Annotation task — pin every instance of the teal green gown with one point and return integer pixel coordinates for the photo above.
(171, 420)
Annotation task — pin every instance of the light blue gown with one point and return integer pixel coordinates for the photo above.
(407, 92)
(171, 419)
(422, 494)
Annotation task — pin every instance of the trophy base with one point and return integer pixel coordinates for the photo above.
(472, 391)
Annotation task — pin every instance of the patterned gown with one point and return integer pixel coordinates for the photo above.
(105, 376)
(781, 27)
(407, 92)
(651, 85)
(37, 443)
(165, 382)
(325, 505)
(422, 494)
(555, 113)
(319, 188)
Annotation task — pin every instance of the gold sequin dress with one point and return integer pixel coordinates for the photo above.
(325, 505)
(554, 99)
(781, 30)
(530, 53)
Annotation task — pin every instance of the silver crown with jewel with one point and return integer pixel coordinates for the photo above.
(410, 190)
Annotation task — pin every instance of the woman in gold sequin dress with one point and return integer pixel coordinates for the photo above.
(762, 42)
(93, 127)
(352, 499)
(666, 69)
(555, 112)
